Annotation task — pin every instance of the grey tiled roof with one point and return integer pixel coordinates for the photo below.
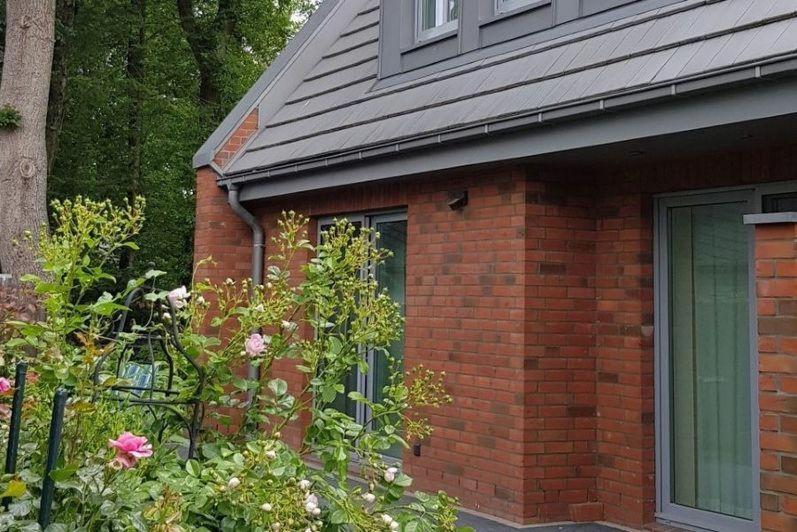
(336, 109)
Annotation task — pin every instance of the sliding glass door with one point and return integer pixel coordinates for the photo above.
(707, 465)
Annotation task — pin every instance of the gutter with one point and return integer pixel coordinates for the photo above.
(258, 249)
(764, 69)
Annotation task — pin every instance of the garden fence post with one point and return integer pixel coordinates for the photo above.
(15, 423)
(53, 446)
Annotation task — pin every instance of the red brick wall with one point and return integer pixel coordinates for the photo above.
(560, 305)
(776, 287)
(464, 317)
(537, 301)
(624, 354)
(237, 139)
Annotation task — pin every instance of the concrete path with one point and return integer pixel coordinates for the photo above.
(485, 525)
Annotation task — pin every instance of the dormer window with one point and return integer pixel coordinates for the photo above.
(436, 17)
(417, 37)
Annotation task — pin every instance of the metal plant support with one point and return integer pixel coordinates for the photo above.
(15, 423)
(153, 389)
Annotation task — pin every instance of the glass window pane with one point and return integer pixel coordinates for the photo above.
(435, 13)
(391, 276)
(710, 359)
(780, 202)
(342, 403)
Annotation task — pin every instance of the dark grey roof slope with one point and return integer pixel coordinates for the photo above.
(334, 110)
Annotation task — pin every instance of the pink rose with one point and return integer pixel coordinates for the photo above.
(129, 449)
(255, 345)
(178, 296)
(5, 385)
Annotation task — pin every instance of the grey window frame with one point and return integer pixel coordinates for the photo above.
(666, 510)
(367, 220)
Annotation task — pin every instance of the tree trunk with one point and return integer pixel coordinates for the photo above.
(25, 84)
(65, 15)
(134, 72)
(209, 44)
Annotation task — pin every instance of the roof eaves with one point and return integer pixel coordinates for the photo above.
(758, 71)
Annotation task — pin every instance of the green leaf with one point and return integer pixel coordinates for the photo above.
(278, 386)
(338, 517)
(357, 396)
(15, 488)
(403, 480)
(193, 468)
(21, 508)
(151, 274)
(65, 473)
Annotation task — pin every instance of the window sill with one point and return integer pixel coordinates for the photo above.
(503, 15)
(420, 43)
(770, 218)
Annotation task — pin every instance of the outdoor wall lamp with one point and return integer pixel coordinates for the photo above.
(457, 200)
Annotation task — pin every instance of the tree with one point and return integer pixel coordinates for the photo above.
(64, 21)
(232, 39)
(24, 88)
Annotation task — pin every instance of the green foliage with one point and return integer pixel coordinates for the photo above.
(94, 154)
(9, 117)
(248, 478)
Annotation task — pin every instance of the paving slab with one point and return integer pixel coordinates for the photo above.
(482, 524)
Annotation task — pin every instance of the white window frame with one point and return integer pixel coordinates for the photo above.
(369, 221)
(441, 8)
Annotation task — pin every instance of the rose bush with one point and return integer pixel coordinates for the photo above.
(123, 468)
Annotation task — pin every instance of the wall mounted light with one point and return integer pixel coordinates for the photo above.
(457, 199)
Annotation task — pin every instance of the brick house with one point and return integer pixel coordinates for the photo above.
(592, 208)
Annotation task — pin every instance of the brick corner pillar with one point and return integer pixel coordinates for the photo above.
(776, 290)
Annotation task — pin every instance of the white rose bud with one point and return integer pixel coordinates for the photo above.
(387, 519)
(394, 525)
(233, 483)
(369, 497)
(393, 470)
(389, 477)
(266, 507)
(271, 455)
(316, 511)
(275, 526)
(309, 506)
(304, 484)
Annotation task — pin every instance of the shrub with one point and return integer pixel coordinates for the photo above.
(120, 466)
